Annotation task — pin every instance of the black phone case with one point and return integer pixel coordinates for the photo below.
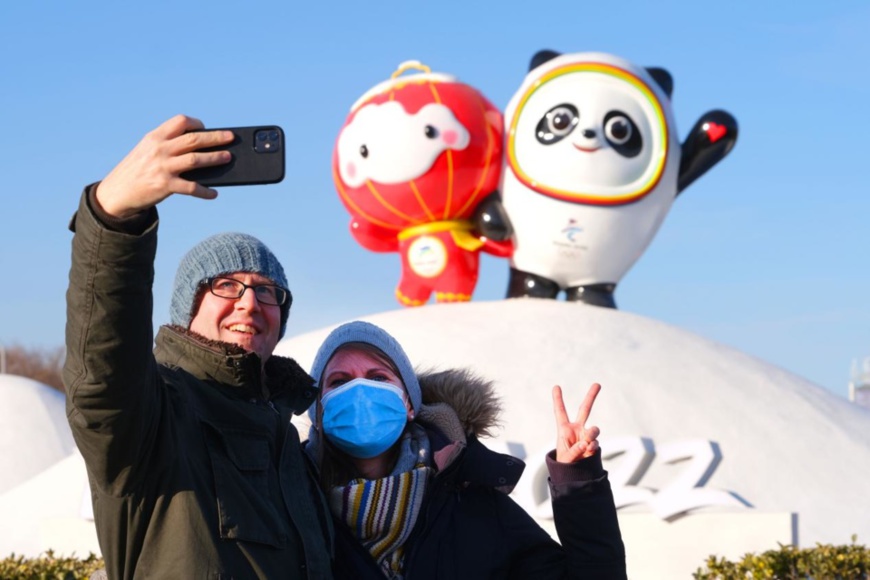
(249, 166)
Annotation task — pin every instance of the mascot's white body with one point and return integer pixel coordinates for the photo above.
(591, 165)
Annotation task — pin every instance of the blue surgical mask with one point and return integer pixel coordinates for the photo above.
(364, 418)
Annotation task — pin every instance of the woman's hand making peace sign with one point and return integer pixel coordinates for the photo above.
(575, 441)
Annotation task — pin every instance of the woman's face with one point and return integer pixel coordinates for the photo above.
(351, 363)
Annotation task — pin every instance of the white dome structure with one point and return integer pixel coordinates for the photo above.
(710, 450)
(34, 433)
(51, 510)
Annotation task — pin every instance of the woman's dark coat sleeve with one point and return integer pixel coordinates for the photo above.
(585, 518)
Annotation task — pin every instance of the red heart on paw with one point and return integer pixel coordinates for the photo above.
(715, 131)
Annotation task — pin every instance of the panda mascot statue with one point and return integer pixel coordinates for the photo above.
(592, 165)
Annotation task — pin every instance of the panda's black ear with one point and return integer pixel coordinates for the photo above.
(541, 57)
(663, 78)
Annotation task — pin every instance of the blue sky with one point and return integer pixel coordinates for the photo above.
(766, 253)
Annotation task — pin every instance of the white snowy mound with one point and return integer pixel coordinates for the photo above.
(50, 511)
(709, 450)
(34, 433)
(700, 430)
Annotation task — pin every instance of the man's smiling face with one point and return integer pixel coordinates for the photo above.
(243, 321)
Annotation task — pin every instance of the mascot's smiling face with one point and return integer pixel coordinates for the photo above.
(385, 144)
(417, 149)
(588, 132)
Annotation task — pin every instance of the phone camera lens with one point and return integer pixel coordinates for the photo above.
(267, 140)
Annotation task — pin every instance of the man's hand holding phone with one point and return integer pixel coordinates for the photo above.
(181, 156)
(151, 172)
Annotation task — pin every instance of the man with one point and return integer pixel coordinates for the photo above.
(194, 466)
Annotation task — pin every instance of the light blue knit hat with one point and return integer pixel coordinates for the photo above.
(360, 331)
(223, 254)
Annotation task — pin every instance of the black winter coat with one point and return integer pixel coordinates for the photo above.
(470, 528)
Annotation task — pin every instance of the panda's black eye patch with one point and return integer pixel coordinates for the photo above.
(622, 134)
(557, 123)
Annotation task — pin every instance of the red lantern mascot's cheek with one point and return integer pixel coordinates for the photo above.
(417, 165)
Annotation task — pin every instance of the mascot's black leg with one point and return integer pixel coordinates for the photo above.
(526, 284)
(594, 294)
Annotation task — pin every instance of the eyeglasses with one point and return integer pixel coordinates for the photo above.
(270, 294)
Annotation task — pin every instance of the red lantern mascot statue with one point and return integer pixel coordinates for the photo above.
(417, 165)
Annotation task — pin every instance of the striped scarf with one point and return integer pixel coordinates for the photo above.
(381, 513)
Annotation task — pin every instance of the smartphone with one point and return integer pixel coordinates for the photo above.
(258, 158)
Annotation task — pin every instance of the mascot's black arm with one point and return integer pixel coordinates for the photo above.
(491, 220)
(710, 140)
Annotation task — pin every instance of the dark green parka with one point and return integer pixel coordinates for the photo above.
(194, 466)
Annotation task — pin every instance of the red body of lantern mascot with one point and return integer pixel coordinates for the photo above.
(417, 165)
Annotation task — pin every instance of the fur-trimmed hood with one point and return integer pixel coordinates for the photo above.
(464, 407)
(470, 396)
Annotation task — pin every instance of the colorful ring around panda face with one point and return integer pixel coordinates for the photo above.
(643, 174)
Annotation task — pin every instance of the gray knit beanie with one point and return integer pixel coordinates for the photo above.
(360, 331)
(223, 254)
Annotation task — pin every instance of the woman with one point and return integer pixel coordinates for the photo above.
(415, 495)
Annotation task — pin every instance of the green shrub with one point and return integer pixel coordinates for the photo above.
(49, 567)
(824, 562)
